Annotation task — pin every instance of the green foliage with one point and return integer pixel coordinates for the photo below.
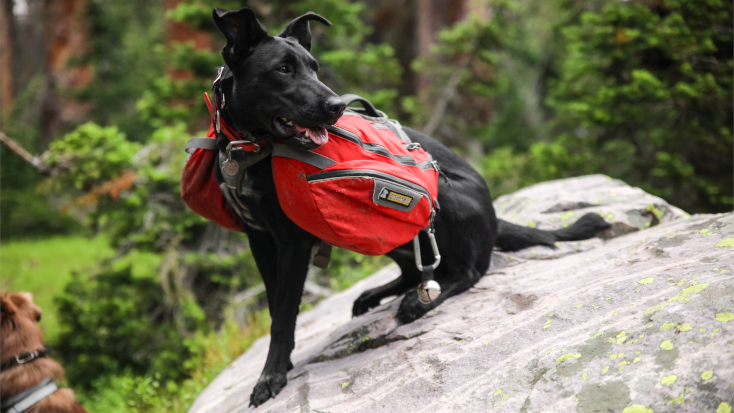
(347, 267)
(90, 155)
(212, 352)
(636, 90)
(111, 323)
(348, 63)
(44, 266)
(648, 90)
(122, 39)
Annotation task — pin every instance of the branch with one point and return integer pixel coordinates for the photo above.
(34, 161)
(439, 111)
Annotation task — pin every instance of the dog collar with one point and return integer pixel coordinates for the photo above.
(24, 358)
(28, 398)
(248, 142)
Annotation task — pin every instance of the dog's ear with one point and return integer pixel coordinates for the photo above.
(242, 30)
(7, 307)
(24, 301)
(299, 29)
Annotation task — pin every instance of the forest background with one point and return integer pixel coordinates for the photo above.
(145, 302)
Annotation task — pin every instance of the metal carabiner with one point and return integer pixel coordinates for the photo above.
(417, 252)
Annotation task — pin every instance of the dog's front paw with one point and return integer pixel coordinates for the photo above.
(362, 304)
(266, 388)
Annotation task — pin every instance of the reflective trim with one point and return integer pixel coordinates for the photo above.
(28, 398)
(308, 157)
(366, 173)
(371, 147)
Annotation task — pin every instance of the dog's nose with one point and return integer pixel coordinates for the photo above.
(335, 105)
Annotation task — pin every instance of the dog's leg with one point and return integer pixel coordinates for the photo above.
(371, 298)
(265, 252)
(409, 277)
(411, 308)
(292, 265)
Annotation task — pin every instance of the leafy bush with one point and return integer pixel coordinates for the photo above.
(112, 323)
(647, 89)
(90, 155)
(212, 352)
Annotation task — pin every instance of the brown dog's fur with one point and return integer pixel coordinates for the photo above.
(19, 334)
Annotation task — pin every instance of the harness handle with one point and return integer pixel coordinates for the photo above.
(369, 108)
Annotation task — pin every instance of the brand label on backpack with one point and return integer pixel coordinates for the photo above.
(395, 196)
(398, 198)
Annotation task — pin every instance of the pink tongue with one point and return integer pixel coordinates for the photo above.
(317, 134)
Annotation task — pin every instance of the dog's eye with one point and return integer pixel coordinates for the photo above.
(283, 70)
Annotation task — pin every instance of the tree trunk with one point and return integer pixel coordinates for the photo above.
(178, 32)
(6, 59)
(68, 39)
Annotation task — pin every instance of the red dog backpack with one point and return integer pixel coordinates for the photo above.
(365, 190)
(368, 189)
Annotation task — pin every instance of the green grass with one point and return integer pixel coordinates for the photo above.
(44, 266)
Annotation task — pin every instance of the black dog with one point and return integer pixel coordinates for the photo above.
(271, 89)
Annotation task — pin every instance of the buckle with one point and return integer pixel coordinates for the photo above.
(219, 77)
(231, 148)
(26, 359)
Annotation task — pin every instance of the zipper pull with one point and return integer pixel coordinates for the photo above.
(440, 172)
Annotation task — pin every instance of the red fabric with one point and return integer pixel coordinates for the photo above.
(341, 211)
(200, 189)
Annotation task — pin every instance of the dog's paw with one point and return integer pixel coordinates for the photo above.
(266, 388)
(411, 309)
(362, 304)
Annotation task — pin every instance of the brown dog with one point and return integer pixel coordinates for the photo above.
(25, 366)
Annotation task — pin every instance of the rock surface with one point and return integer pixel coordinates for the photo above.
(639, 323)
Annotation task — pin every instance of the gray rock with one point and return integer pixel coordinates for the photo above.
(556, 204)
(639, 323)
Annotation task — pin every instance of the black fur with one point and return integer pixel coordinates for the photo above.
(516, 237)
(274, 77)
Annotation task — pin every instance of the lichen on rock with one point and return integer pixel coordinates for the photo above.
(571, 331)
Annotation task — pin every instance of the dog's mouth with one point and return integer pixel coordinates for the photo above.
(288, 128)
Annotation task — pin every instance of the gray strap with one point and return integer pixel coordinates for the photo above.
(30, 398)
(400, 132)
(308, 157)
(395, 127)
(201, 143)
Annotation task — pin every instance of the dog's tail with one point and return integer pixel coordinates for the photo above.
(513, 237)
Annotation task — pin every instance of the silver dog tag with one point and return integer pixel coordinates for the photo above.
(231, 167)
